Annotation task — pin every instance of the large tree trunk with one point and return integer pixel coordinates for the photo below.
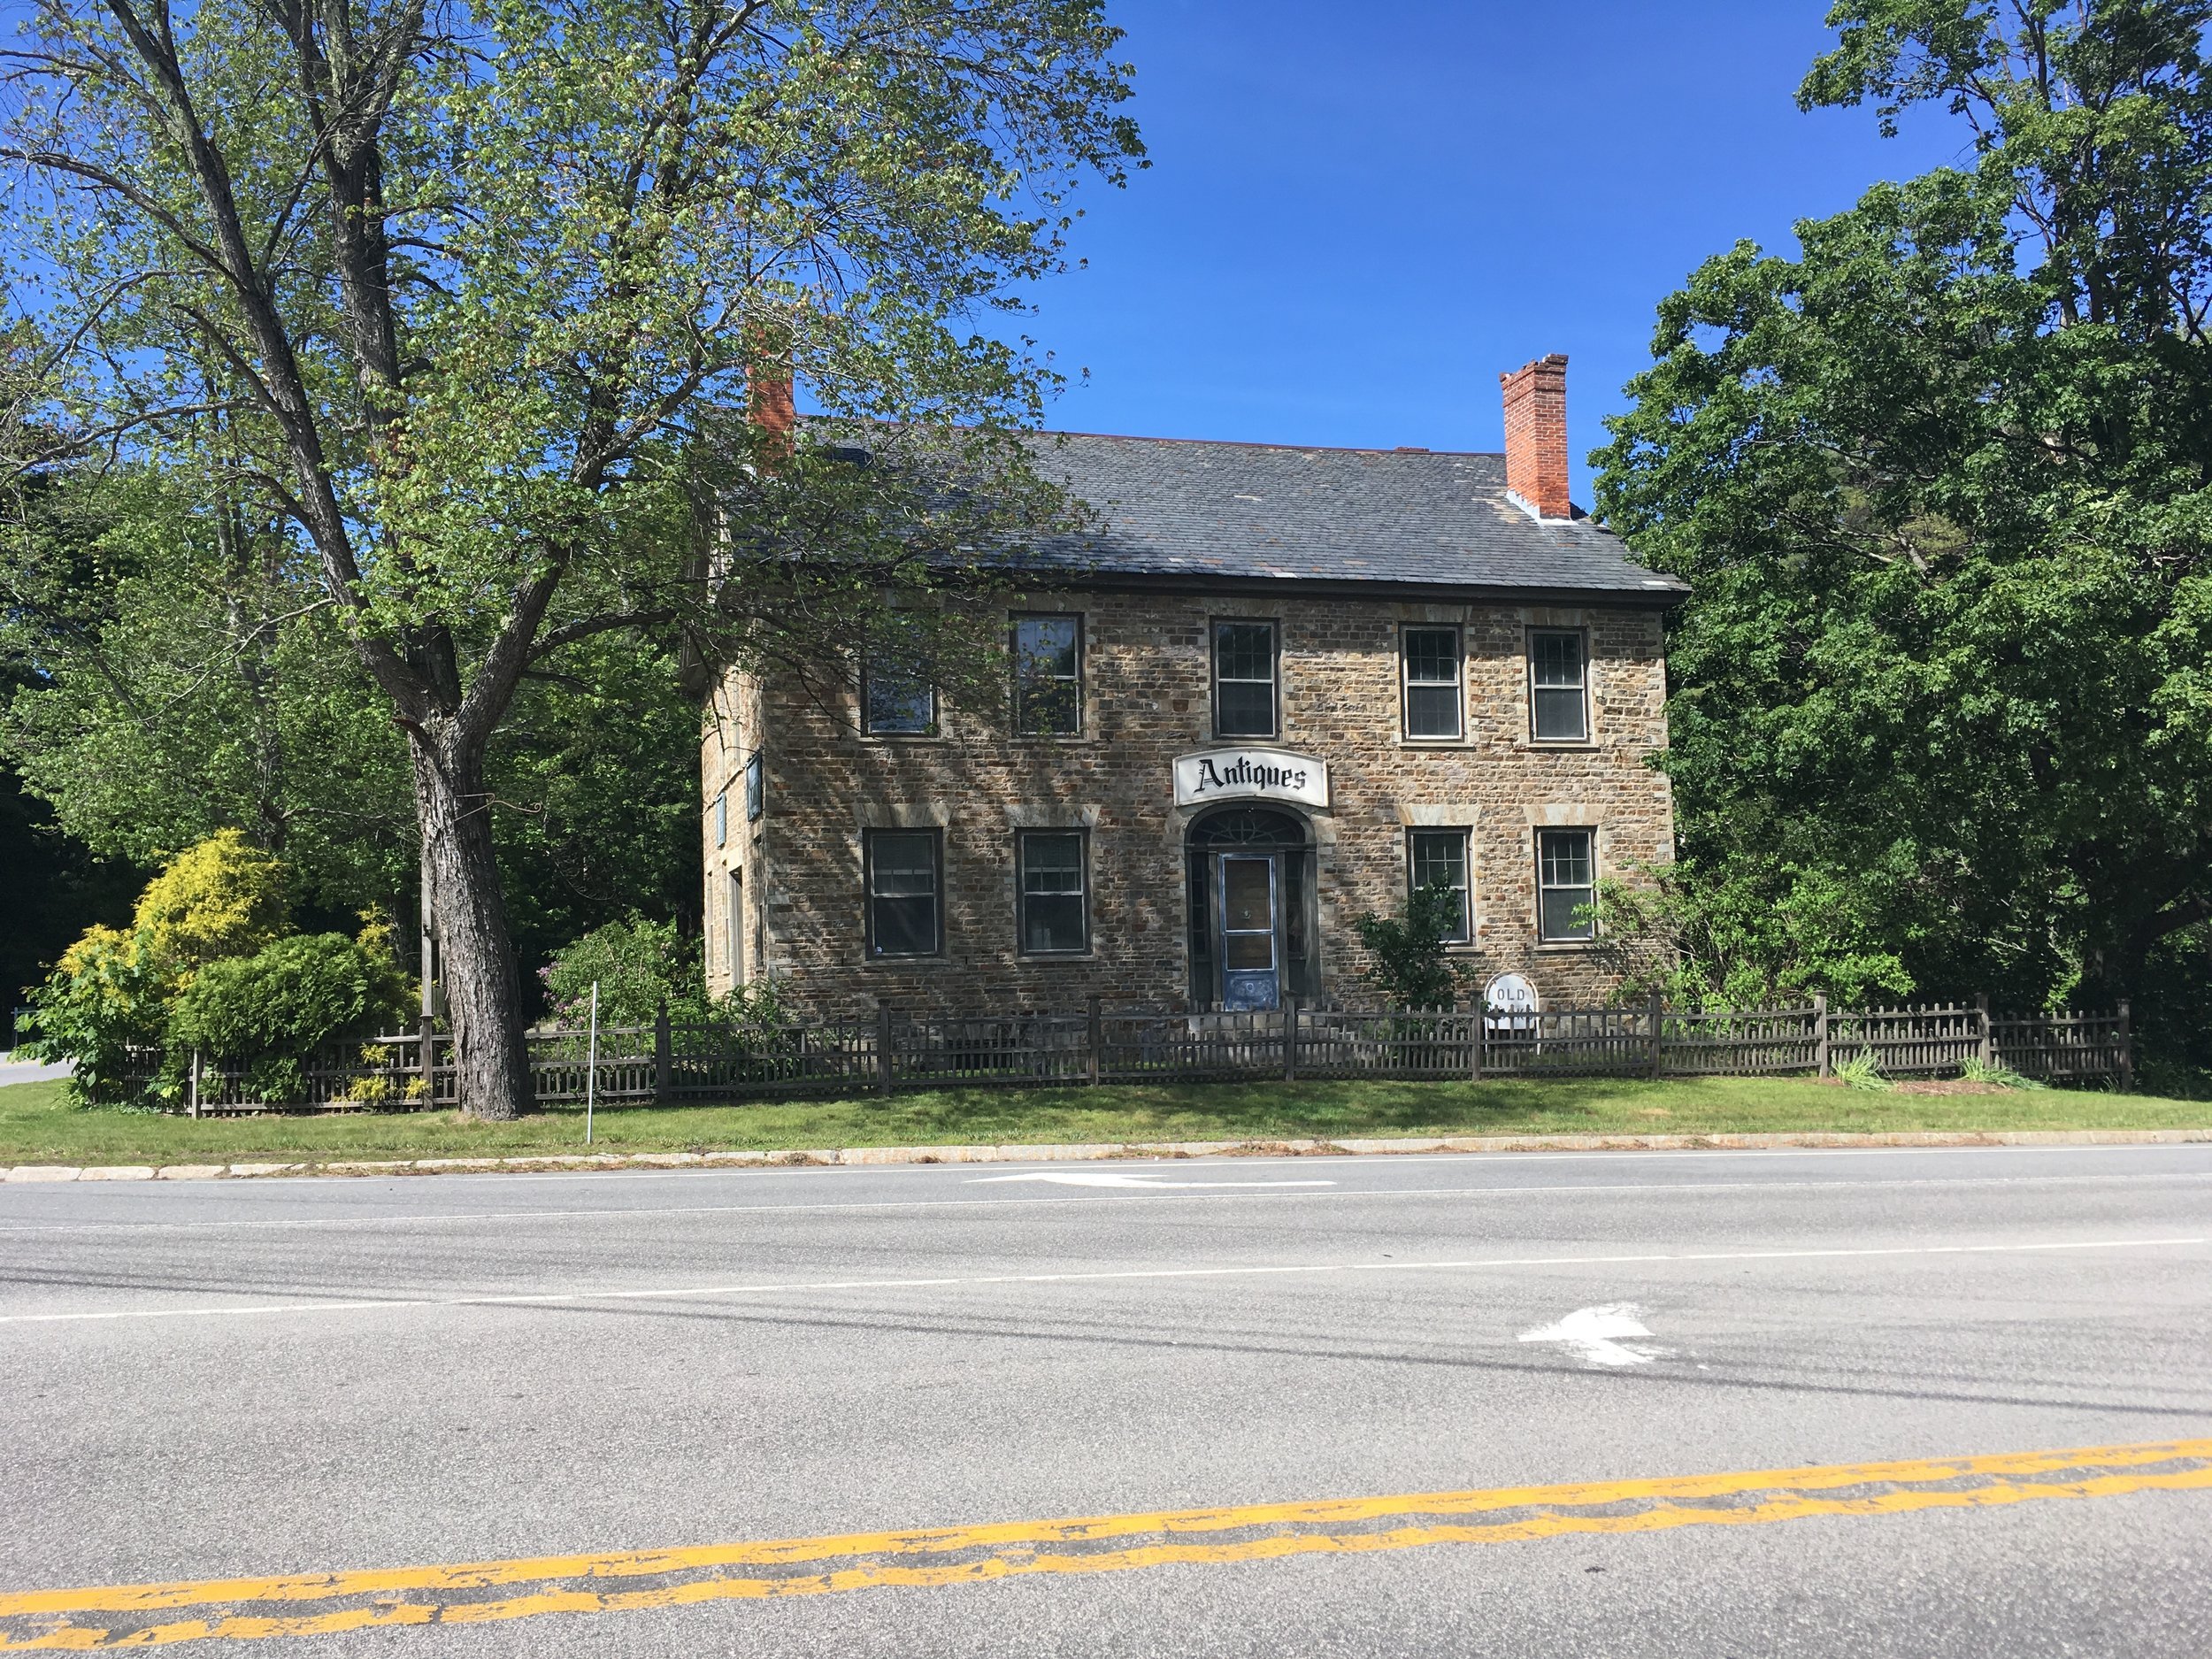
(477, 968)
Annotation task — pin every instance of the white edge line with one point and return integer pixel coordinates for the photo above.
(555, 1298)
(1191, 1193)
(920, 1167)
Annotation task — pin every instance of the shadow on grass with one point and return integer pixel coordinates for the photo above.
(38, 1123)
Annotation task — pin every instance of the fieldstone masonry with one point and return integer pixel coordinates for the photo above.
(795, 908)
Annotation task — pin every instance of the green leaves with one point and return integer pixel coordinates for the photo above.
(275, 1008)
(1409, 961)
(1941, 485)
(459, 307)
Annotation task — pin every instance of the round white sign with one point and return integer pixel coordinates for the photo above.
(1512, 1002)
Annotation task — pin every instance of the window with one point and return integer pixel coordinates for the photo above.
(902, 890)
(1432, 682)
(896, 700)
(1566, 881)
(1049, 676)
(1558, 684)
(755, 789)
(733, 928)
(1244, 679)
(1438, 857)
(722, 818)
(1055, 904)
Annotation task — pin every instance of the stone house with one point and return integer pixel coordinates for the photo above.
(1281, 686)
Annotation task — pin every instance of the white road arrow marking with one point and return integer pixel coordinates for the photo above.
(1590, 1333)
(1146, 1183)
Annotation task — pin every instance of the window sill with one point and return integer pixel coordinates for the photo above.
(1565, 946)
(895, 739)
(1056, 739)
(1404, 741)
(1047, 958)
(1570, 743)
(902, 963)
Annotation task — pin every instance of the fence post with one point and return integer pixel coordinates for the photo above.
(1821, 1065)
(1093, 1038)
(883, 1047)
(664, 1057)
(2127, 1052)
(196, 1083)
(1657, 1051)
(1988, 1049)
(1478, 1037)
(1290, 1040)
(428, 1056)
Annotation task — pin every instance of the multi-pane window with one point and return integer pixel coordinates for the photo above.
(755, 789)
(1558, 675)
(1049, 676)
(1244, 679)
(1566, 883)
(722, 818)
(896, 700)
(1438, 857)
(1054, 901)
(903, 916)
(1432, 682)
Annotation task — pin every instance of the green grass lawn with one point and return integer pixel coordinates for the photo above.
(38, 1125)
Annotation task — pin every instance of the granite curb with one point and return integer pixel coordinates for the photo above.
(829, 1157)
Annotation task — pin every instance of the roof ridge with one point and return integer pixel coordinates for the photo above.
(1261, 443)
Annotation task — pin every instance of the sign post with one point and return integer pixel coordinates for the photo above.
(591, 1064)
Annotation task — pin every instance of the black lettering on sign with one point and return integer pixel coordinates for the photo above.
(1246, 770)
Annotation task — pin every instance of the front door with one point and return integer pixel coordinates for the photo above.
(1249, 893)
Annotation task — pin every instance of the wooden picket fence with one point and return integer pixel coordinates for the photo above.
(895, 1049)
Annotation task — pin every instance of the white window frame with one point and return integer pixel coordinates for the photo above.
(1274, 681)
(1581, 636)
(1014, 626)
(928, 728)
(1406, 683)
(1021, 890)
(1590, 838)
(1464, 886)
(869, 841)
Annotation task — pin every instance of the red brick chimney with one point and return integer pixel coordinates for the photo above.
(770, 405)
(1536, 436)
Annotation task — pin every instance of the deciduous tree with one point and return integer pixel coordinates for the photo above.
(460, 285)
(1943, 710)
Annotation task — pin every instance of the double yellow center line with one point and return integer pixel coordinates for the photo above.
(158, 1615)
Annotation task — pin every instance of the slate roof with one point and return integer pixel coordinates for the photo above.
(1169, 508)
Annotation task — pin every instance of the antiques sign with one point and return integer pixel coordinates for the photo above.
(1262, 774)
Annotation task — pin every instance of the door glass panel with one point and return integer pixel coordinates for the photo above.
(1251, 951)
(1245, 895)
(1248, 915)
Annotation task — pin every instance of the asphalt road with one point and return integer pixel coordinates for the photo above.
(211, 1380)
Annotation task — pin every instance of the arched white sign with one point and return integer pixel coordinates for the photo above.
(1511, 1000)
(1263, 774)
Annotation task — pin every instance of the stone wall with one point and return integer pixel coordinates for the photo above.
(1146, 700)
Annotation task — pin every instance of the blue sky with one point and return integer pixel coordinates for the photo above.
(1357, 217)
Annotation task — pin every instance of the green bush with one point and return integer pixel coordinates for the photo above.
(107, 999)
(272, 1010)
(1408, 961)
(223, 898)
(206, 966)
(1862, 1071)
(638, 964)
(1976, 1071)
